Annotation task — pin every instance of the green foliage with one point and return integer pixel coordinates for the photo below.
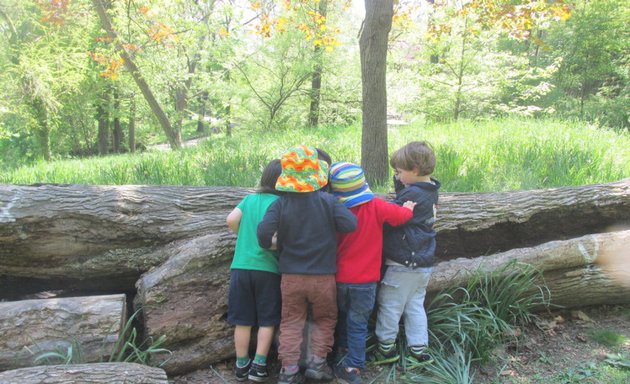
(497, 155)
(453, 365)
(608, 337)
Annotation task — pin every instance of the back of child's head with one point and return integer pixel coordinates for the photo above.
(416, 154)
(323, 155)
(348, 184)
(270, 176)
(302, 171)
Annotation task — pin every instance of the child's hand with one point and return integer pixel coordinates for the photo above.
(410, 205)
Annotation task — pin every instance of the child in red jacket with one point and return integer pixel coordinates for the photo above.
(359, 256)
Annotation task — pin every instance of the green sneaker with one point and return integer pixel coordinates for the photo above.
(380, 355)
(416, 360)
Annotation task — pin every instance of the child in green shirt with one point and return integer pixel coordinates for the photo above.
(254, 295)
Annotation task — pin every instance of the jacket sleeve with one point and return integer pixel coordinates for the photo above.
(269, 225)
(345, 221)
(393, 214)
(406, 194)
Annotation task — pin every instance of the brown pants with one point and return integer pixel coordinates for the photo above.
(297, 292)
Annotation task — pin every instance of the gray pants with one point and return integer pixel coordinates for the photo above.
(402, 292)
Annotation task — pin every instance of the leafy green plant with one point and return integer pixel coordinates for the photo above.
(511, 292)
(71, 354)
(130, 349)
(620, 360)
(451, 366)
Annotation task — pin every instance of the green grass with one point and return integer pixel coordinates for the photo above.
(495, 155)
(608, 337)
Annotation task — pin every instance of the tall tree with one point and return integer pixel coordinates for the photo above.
(172, 134)
(316, 79)
(373, 51)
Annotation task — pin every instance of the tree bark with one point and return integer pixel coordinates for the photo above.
(105, 373)
(105, 237)
(373, 51)
(31, 327)
(186, 299)
(316, 77)
(601, 256)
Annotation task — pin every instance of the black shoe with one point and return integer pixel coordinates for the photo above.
(286, 378)
(319, 371)
(348, 375)
(258, 373)
(241, 373)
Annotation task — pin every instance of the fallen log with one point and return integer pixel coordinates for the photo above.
(105, 237)
(105, 373)
(186, 298)
(32, 327)
(583, 271)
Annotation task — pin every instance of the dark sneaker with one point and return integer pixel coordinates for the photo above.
(348, 375)
(287, 378)
(414, 360)
(319, 371)
(379, 355)
(258, 373)
(241, 373)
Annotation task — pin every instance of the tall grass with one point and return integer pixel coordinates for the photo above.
(493, 155)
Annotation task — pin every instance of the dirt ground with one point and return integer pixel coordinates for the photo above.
(559, 342)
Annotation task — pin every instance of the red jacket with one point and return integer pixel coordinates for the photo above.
(359, 253)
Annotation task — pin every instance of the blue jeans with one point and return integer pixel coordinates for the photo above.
(355, 303)
(402, 294)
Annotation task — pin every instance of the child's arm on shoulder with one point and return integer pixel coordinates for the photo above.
(345, 221)
(396, 215)
(234, 219)
(268, 226)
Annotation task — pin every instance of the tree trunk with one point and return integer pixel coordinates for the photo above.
(105, 237)
(316, 78)
(173, 135)
(201, 115)
(103, 125)
(373, 50)
(116, 131)
(132, 124)
(105, 373)
(32, 327)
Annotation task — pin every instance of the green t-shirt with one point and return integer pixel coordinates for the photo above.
(248, 254)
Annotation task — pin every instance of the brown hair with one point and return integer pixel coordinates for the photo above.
(417, 154)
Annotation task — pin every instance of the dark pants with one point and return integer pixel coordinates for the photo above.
(355, 303)
(298, 291)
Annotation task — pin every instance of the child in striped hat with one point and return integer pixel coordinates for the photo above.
(359, 256)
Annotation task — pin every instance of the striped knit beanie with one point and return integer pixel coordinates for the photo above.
(349, 185)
